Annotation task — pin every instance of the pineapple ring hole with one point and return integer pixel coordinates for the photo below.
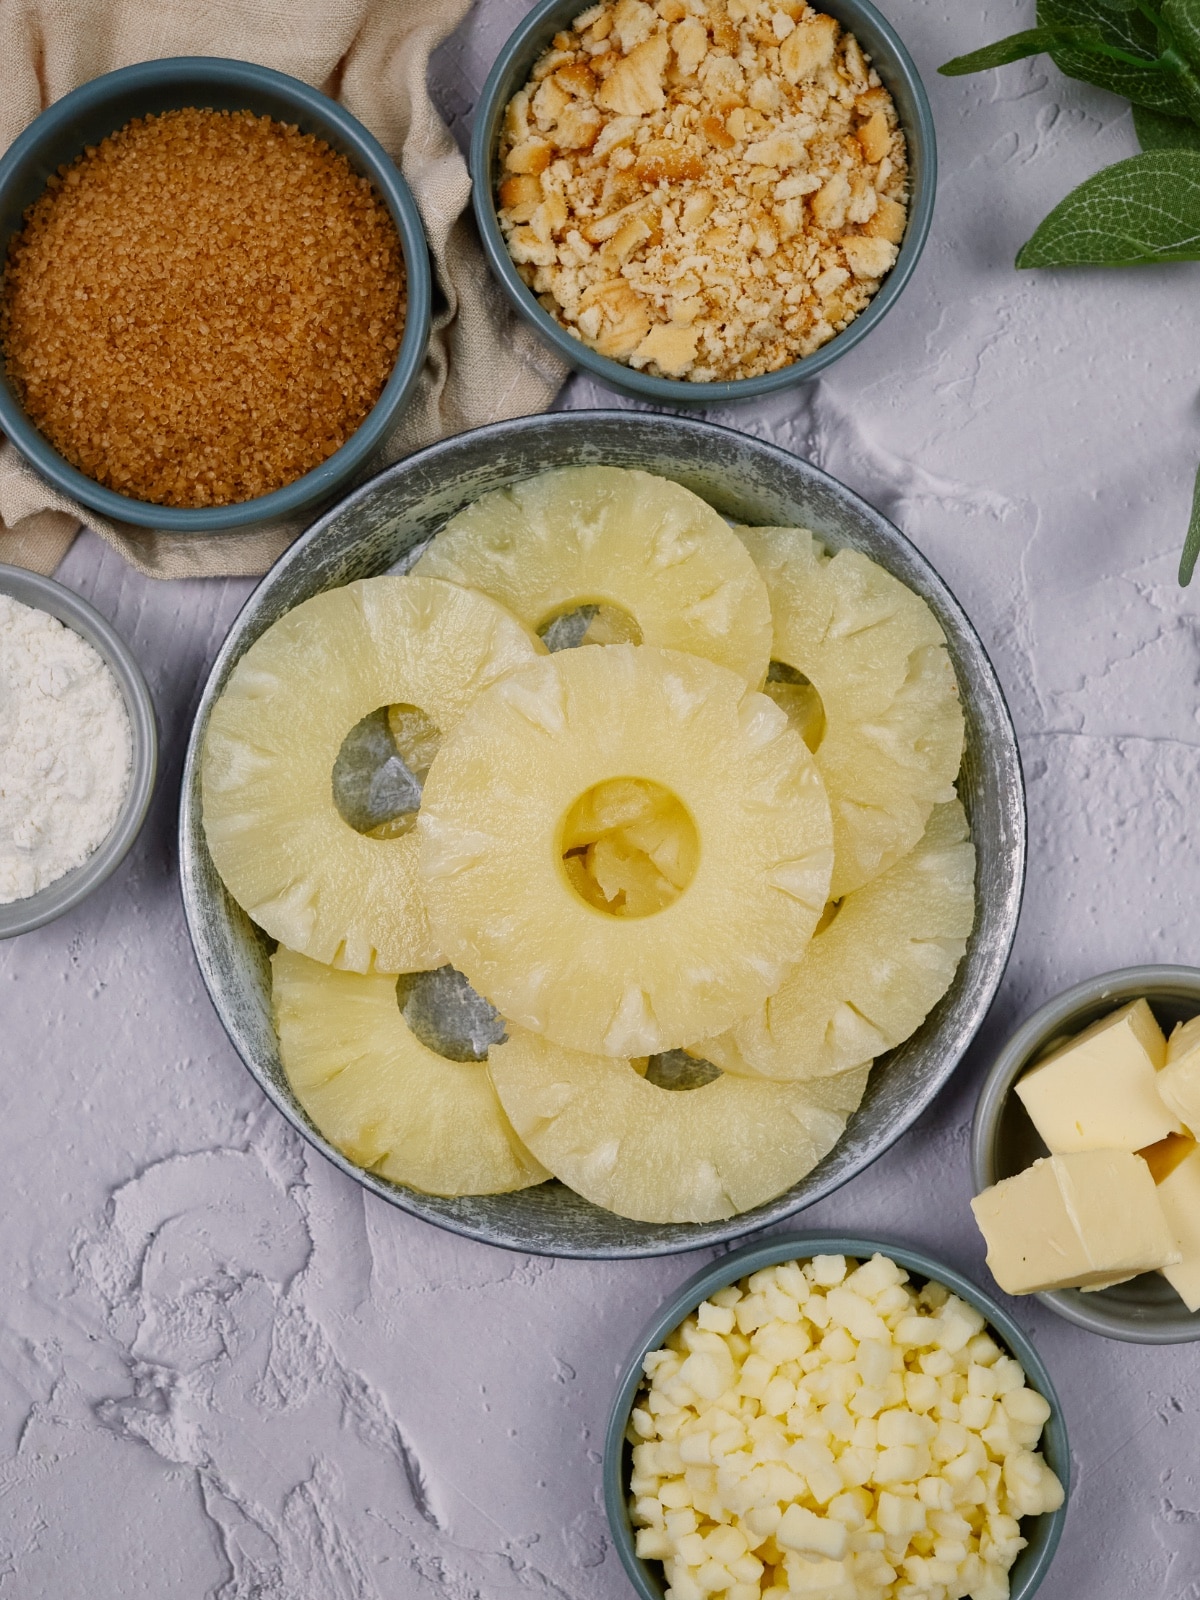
(629, 847)
(380, 770)
(447, 1015)
(676, 1069)
(798, 698)
(589, 622)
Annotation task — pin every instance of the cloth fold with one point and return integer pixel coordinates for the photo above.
(483, 365)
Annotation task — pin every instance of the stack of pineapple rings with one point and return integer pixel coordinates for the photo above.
(704, 872)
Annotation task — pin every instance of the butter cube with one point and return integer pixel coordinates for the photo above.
(1099, 1091)
(1084, 1220)
(1162, 1158)
(1179, 1080)
(1179, 1193)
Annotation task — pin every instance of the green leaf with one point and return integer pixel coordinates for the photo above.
(1119, 45)
(1033, 42)
(1182, 18)
(1146, 209)
(1156, 132)
(1127, 30)
(1125, 24)
(1191, 548)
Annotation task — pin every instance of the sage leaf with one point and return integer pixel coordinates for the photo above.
(1143, 210)
(1191, 548)
(1182, 20)
(1143, 78)
(1158, 132)
(1033, 42)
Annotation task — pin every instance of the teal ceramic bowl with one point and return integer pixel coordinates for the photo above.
(1042, 1533)
(511, 71)
(99, 108)
(1145, 1309)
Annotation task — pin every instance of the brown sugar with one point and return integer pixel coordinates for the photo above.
(704, 189)
(203, 307)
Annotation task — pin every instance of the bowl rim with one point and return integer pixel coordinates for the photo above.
(677, 391)
(701, 1235)
(324, 479)
(65, 893)
(1122, 984)
(771, 1251)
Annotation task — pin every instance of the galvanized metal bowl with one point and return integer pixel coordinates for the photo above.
(97, 109)
(1144, 1310)
(1042, 1533)
(65, 893)
(389, 520)
(511, 72)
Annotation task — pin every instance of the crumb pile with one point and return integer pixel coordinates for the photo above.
(706, 189)
(203, 307)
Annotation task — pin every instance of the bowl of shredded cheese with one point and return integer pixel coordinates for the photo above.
(834, 1417)
(214, 295)
(78, 750)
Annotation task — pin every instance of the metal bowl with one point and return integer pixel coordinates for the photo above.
(99, 108)
(390, 519)
(510, 73)
(1144, 1310)
(65, 893)
(1042, 1533)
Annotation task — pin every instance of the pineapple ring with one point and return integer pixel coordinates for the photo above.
(869, 979)
(666, 1155)
(610, 536)
(276, 837)
(876, 654)
(500, 899)
(382, 1097)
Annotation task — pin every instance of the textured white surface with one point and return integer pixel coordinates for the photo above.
(224, 1372)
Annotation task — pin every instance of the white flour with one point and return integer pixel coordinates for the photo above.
(65, 750)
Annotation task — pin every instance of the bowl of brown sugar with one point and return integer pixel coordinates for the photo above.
(214, 295)
(703, 201)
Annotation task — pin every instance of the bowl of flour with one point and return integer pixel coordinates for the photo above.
(78, 750)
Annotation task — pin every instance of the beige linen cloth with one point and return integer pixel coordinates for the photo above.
(372, 55)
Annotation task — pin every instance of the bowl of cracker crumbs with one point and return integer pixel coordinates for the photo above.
(214, 295)
(702, 201)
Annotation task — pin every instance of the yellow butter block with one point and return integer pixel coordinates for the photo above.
(1084, 1220)
(1099, 1091)
(1179, 1080)
(1179, 1193)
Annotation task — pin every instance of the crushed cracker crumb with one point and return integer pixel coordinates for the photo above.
(703, 189)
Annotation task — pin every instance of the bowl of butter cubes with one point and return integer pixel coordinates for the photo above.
(834, 1417)
(1086, 1158)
